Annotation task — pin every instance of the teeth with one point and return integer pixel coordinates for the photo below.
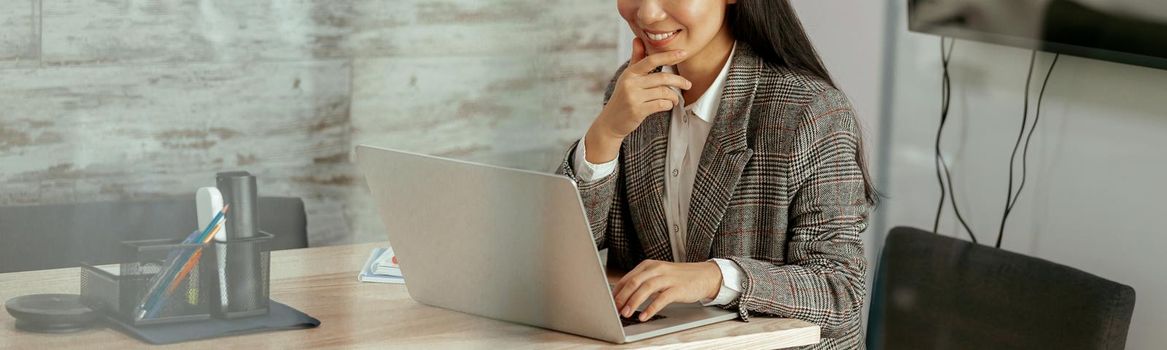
(659, 37)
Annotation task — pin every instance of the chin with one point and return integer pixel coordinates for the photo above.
(670, 47)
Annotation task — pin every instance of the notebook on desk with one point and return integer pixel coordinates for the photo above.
(381, 267)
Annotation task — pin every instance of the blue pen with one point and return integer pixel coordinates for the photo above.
(196, 236)
(193, 237)
(211, 226)
(149, 305)
(152, 310)
(154, 296)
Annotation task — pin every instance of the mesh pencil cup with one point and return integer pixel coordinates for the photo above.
(157, 281)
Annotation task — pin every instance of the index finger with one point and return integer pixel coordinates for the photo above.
(650, 63)
(623, 279)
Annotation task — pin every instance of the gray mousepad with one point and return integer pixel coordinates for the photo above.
(280, 317)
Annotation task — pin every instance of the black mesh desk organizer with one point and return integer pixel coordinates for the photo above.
(222, 290)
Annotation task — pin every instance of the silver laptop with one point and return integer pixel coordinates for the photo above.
(506, 244)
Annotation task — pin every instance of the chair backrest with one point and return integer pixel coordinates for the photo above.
(54, 236)
(937, 292)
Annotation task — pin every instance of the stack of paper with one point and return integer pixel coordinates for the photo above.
(381, 268)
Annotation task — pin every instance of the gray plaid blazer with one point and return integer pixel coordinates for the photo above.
(778, 190)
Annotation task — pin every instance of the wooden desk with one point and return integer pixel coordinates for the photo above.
(322, 282)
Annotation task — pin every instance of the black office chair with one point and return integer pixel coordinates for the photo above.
(64, 235)
(937, 292)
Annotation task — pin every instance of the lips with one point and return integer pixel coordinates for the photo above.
(660, 39)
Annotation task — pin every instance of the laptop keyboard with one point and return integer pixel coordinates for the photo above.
(635, 319)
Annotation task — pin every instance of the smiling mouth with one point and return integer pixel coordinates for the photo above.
(661, 36)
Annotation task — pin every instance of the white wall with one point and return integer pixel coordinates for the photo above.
(1094, 200)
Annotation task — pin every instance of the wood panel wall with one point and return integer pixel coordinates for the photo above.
(113, 100)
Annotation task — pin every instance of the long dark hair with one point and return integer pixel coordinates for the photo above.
(772, 29)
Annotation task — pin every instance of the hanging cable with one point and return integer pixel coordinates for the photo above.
(941, 163)
(1036, 118)
(1017, 146)
(944, 55)
(1025, 153)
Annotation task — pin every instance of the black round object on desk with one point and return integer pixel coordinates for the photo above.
(51, 313)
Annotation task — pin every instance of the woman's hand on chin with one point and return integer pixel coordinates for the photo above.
(637, 94)
(667, 283)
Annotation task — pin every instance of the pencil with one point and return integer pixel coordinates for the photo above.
(190, 264)
(153, 299)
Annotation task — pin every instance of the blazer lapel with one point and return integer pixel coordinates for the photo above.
(645, 152)
(725, 155)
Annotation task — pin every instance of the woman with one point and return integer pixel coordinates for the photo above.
(725, 168)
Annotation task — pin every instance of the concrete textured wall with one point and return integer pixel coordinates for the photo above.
(107, 100)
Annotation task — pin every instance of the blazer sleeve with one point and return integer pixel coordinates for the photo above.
(603, 202)
(822, 279)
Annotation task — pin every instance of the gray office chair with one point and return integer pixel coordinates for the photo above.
(937, 292)
(55, 236)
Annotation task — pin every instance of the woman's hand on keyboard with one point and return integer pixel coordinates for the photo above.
(667, 283)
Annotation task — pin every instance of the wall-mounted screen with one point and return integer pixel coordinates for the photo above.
(1127, 31)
